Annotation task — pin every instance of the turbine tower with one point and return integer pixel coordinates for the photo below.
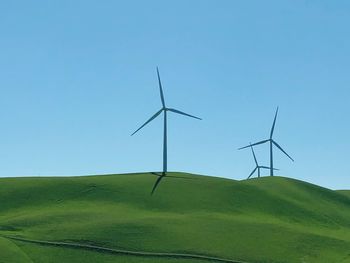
(272, 143)
(257, 167)
(163, 110)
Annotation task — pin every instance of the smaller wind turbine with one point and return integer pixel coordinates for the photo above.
(165, 111)
(257, 167)
(272, 143)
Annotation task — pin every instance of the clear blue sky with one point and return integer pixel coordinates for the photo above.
(78, 78)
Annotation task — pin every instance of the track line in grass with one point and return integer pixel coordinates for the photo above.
(125, 252)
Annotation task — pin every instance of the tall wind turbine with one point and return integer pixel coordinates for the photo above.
(163, 110)
(272, 143)
(257, 167)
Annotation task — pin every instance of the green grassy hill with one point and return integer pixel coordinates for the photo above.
(271, 219)
(344, 192)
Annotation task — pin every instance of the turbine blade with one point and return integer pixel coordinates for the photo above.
(156, 183)
(256, 162)
(183, 113)
(151, 119)
(160, 89)
(257, 143)
(274, 123)
(279, 147)
(265, 167)
(252, 172)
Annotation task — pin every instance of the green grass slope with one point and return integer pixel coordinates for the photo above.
(344, 192)
(271, 219)
(10, 252)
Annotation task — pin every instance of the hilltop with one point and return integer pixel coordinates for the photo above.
(271, 219)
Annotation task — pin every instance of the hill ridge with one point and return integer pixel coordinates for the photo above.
(275, 219)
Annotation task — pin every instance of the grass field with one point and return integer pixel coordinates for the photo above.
(271, 219)
(344, 192)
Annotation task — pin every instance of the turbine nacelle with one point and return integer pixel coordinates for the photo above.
(165, 110)
(271, 141)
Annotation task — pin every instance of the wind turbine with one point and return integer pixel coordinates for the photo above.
(257, 167)
(272, 143)
(163, 110)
